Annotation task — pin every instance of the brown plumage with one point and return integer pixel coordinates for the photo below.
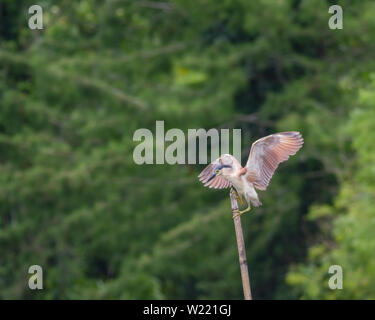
(265, 156)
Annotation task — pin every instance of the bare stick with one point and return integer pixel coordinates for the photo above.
(241, 248)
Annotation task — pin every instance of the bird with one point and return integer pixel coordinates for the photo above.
(265, 156)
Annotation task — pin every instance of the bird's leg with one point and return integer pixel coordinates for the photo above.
(242, 212)
(239, 199)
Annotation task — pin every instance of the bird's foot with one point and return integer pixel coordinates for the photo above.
(238, 212)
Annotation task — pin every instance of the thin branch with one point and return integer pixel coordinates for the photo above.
(102, 86)
(241, 248)
(157, 5)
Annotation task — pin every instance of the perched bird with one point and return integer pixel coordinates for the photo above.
(264, 158)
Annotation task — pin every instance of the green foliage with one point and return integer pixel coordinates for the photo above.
(352, 230)
(73, 201)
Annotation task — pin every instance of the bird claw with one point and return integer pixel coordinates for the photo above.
(238, 212)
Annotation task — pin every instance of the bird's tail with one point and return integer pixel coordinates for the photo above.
(256, 202)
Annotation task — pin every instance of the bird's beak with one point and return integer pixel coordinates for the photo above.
(213, 176)
(219, 173)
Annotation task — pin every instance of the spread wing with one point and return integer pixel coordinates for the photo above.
(218, 182)
(266, 154)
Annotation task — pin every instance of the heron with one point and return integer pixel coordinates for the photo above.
(265, 156)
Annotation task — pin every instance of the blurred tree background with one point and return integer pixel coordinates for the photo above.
(73, 201)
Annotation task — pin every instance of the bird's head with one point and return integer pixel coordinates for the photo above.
(223, 166)
(216, 174)
(217, 171)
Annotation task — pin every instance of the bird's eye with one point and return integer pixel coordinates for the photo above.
(217, 171)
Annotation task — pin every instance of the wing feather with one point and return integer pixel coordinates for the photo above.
(267, 153)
